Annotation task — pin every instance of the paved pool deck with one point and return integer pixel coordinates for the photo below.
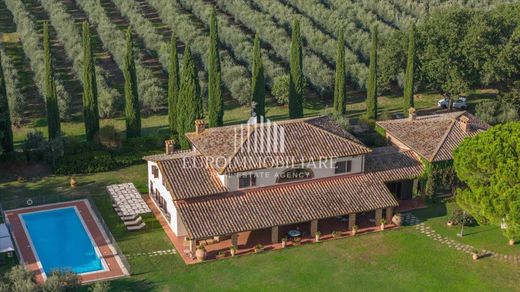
(114, 265)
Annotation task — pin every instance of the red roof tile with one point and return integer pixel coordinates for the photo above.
(281, 205)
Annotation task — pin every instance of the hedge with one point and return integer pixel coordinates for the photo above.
(91, 158)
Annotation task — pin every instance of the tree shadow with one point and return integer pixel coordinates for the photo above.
(434, 210)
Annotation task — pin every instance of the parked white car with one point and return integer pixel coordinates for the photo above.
(458, 104)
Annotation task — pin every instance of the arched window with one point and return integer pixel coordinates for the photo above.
(294, 175)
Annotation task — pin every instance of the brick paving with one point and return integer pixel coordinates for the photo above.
(152, 253)
(410, 219)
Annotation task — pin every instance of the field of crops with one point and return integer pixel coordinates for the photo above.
(153, 21)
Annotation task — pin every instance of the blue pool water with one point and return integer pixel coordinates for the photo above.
(61, 241)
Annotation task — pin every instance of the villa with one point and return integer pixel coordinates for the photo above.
(247, 184)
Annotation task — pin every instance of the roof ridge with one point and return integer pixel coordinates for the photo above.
(228, 161)
(443, 139)
(339, 136)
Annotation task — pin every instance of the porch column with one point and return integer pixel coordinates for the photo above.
(314, 227)
(415, 186)
(389, 214)
(274, 234)
(234, 239)
(192, 243)
(379, 215)
(351, 221)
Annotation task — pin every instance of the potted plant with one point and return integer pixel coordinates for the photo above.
(336, 234)
(259, 248)
(397, 219)
(200, 253)
(317, 235)
(383, 222)
(474, 254)
(297, 241)
(233, 250)
(354, 229)
(73, 182)
(221, 254)
(284, 242)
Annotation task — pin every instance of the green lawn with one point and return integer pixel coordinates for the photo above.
(396, 260)
(234, 113)
(483, 237)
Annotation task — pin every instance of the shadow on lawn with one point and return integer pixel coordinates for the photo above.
(131, 284)
(434, 210)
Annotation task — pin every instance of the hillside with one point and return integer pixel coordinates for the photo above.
(153, 21)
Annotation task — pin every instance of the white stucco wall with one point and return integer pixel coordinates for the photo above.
(267, 177)
(176, 222)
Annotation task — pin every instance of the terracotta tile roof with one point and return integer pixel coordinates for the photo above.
(189, 177)
(281, 205)
(433, 137)
(304, 140)
(175, 155)
(389, 164)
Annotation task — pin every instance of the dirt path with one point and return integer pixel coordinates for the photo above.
(13, 48)
(62, 64)
(103, 58)
(149, 57)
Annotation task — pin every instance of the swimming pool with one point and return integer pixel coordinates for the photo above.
(60, 241)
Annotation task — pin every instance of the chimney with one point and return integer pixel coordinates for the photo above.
(464, 124)
(199, 126)
(412, 114)
(169, 146)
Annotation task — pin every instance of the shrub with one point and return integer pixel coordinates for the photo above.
(85, 157)
(100, 287)
(109, 137)
(89, 162)
(458, 217)
(496, 112)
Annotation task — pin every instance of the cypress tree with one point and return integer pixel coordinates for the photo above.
(90, 93)
(132, 106)
(339, 87)
(372, 79)
(6, 132)
(173, 85)
(410, 70)
(215, 102)
(189, 104)
(258, 80)
(51, 98)
(296, 82)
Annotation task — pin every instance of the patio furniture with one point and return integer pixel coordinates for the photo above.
(136, 227)
(6, 244)
(294, 233)
(126, 218)
(128, 203)
(136, 221)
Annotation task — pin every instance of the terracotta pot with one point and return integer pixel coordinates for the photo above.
(73, 182)
(284, 243)
(397, 220)
(511, 242)
(233, 252)
(474, 256)
(317, 237)
(200, 254)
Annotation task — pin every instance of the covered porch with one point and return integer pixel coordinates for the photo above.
(271, 238)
